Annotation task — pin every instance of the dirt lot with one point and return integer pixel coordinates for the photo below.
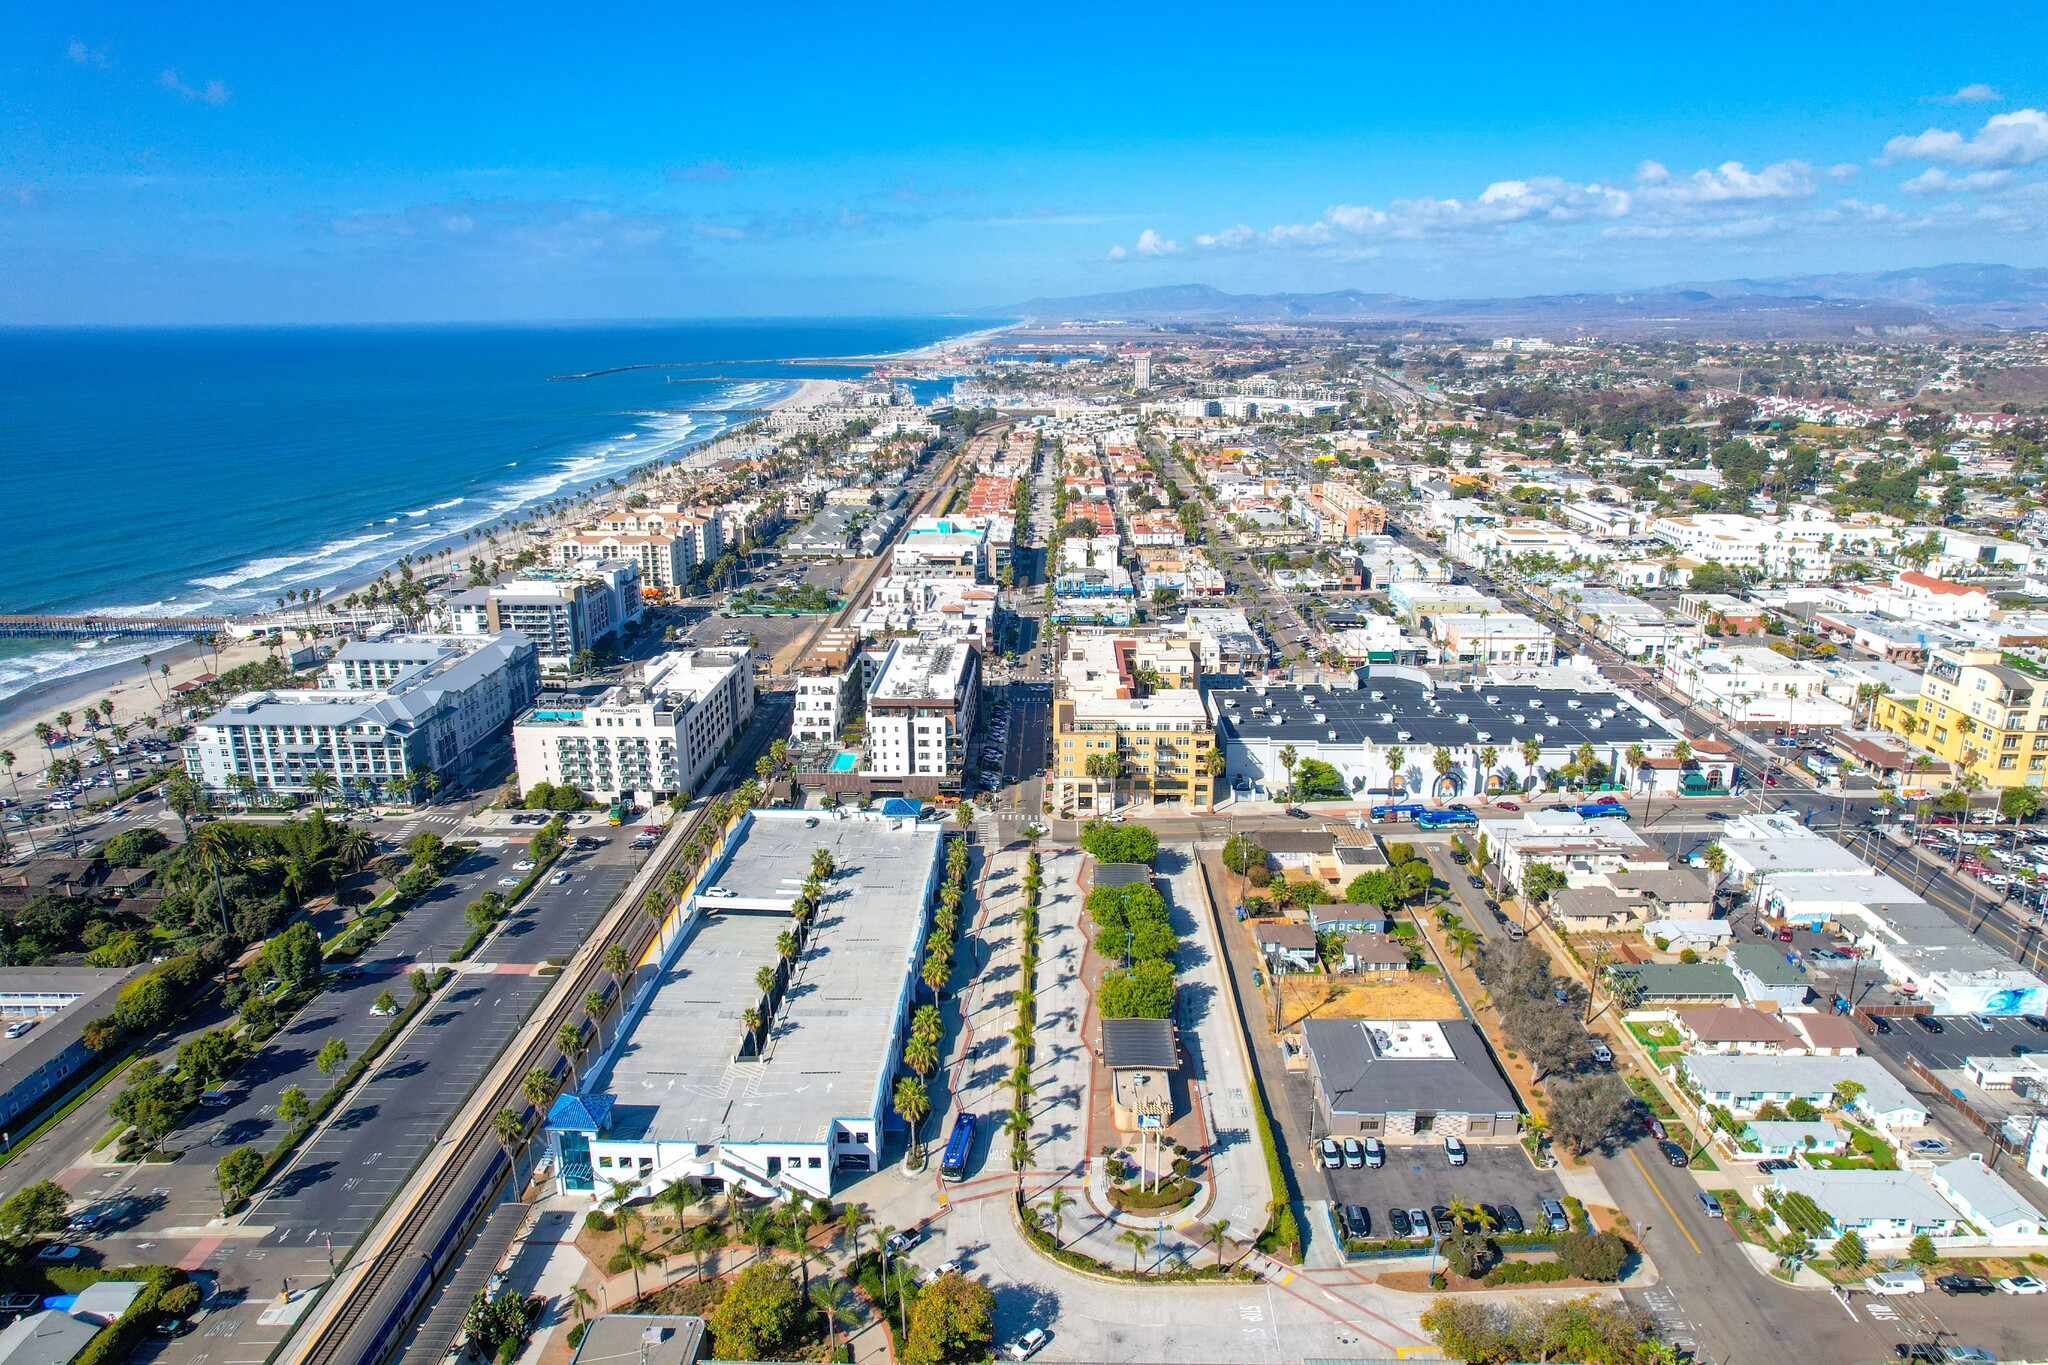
(1423, 995)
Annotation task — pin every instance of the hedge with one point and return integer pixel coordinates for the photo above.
(1281, 1225)
(1524, 1272)
(512, 898)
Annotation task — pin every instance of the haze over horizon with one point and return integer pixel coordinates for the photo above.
(226, 165)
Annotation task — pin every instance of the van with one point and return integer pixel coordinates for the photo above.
(1554, 1216)
(1893, 1282)
(1454, 1151)
(1709, 1205)
(217, 1098)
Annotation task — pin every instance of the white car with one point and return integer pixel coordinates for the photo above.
(559, 878)
(716, 893)
(523, 865)
(508, 881)
(2021, 1284)
(1028, 1345)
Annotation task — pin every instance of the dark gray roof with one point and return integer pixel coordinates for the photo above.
(1386, 706)
(1296, 840)
(1356, 1079)
(1121, 874)
(1135, 1043)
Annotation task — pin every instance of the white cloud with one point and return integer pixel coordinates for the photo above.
(1935, 180)
(2016, 139)
(1975, 93)
(213, 92)
(86, 56)
(1718, 201)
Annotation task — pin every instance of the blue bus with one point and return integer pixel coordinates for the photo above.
(1399, 812)
(1598, 810)
(1438, 819)
(959, 1149)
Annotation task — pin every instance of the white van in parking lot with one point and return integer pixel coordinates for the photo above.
(1896, 1282)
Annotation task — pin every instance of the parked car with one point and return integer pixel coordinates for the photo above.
(508, 881)
(2022, 1284)
(1674, 1154)
(901, 1242)
(1510, 1218)
(1333, 1155)
(1952, 1285)
(1602, 1053)
(717, 893)
(1454, 1150)
(1929, 1023)
(58, 1251)
(1028, 1345)
(1419, 1222)
(1375, 1153)
(1397, 1219)
(1895, 1282)
(1927, 1147)
(1445, 1224)
(1709, 1205)
(1554, 1216)
(1354, 1154)
(1357, 1221)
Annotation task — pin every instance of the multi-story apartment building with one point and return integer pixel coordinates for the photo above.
(643, 740)
(564, 611)
(921, 710)
(1493, 639)
(668, 559)
(387, 714)
(1981, 711)
(1347, 514)
(828, 687)
(704, 528)
(1133, 724)
(940, 547)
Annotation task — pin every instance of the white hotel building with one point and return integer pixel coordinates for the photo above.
(385, 712)
(643, 740)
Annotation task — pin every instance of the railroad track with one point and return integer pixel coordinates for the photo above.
(382, 1303)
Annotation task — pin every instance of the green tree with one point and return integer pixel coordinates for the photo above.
(237, 1174)
(37, 1210)
(2019, 803)
(1143, 991)
(332, 1056)
(292, 1105)
(1117, 843)
(1539, 881)
(760, 1315)
(912, 1103)
(1848, 1250)
(1241, 853)
(293, 957)
(1920, 1251)
(951, 1319)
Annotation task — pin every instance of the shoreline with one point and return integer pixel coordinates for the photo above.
(126, 682)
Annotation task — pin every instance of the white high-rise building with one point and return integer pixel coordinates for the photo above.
(387, 713)
(643, 740)
(1141, 371)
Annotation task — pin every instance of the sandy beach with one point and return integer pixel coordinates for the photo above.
(137, 691)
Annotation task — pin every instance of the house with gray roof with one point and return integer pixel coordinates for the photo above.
(1407, 1079)
(1767, 975)
(1991, 1203)
(1744, 1084)
(1878, 1206)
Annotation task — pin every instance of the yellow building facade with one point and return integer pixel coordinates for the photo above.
(1981, 713)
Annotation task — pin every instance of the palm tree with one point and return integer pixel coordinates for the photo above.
(1489, 759)
(829, 1297)
(1532, 749)
(1442, 761)
(921, 1055)
(1218, 1231)
(912, 1103)
(1397, 759)
(1056, 1206)
(1288, 758)
(786, 946)
(619, 963)
(539, 1087)
(594, 1009)
(751, 1017)
(569, 1042)
(822, 864)
(509, 1127)
(677, 1196)
(217, 846)
(1139, 1241)
(322, 782)
(852, 1218)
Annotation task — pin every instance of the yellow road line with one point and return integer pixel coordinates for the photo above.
(1676, 1221)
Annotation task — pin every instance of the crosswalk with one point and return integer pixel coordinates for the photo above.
(437, 820)
(1672, 1323)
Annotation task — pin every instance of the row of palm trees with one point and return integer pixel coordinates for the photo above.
(1018, 1124)
(912, 1097)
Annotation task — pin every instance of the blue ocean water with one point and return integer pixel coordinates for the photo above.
(206, 470)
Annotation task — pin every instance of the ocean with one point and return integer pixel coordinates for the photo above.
(202, 470)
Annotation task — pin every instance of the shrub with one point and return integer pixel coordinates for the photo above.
(1596, 1256)
(597, 1220)
(1524, 1272)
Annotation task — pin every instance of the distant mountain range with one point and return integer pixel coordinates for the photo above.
(1943, 299)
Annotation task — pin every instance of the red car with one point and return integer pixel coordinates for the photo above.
(1608, 801)
(1770, 780)
(1505, 805)
(650, 829)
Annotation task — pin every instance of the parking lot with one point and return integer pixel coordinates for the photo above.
(1421, 1176)
(1961, 1037)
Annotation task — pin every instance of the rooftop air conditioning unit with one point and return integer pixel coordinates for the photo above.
(1464, 719)
(1483, 736)
(1593, 724)
(1401, 735)
(1333, 734)
(1493, 701)
(1519, 720)
(1573, 703)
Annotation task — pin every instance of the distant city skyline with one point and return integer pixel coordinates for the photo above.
(235, 165)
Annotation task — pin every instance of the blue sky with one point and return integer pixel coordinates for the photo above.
(277, 163)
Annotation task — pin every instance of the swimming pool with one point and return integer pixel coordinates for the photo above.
(845, 763)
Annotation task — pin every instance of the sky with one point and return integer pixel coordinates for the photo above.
(247, 163)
